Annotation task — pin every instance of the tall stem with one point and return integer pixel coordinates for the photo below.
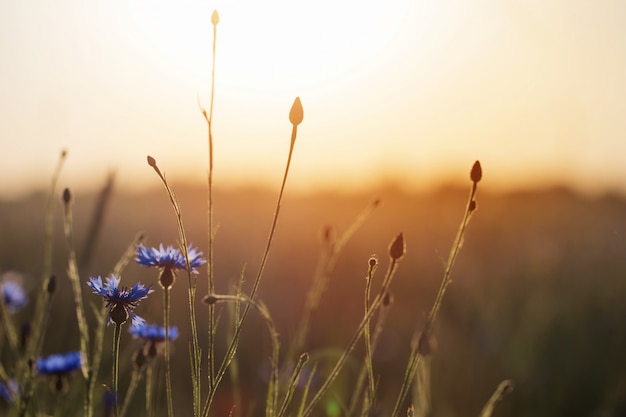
(117, 333)
(168, 371)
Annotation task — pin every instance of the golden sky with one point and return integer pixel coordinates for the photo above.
(411, 91)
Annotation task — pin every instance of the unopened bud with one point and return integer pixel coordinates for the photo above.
(67, 196)
(397, 248)
(373, 261)
(387, 299)
(215, 18)
(167, 277)
(296, 114)
(118, 314)
(139, 359)
(472, 205)
(210, 299)
(151, 161)
(477, 172)
(52, 284)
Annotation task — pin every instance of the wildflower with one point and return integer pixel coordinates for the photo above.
(59, 364)
(58, 367)
(11, 289)
(154, 337)
(168, 259)
(9, 391)
(120, 302)
(154, 332)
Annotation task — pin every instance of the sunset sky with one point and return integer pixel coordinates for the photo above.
(406, 91)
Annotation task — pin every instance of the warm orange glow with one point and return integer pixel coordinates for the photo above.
(402, 91)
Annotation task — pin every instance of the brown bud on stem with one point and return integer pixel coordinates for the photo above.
(397, 248)
(296, 114)
(151, 161)
(167, 277)
(67, 196)
(210, 299)
(476, 173)
(52, 284)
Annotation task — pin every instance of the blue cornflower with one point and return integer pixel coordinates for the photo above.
(169, 257)
(154, 338)
(59, 364)
(168, 260)
(9, 391)
(14, 296)
(154, 332)
(120, 302)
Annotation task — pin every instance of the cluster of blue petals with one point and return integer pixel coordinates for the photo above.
(8, 391)
(126, 297)
(169, 257)
(14, 296)
(59, 364)
(154, 332)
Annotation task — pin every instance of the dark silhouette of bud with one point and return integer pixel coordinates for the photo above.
(52, 284)
(151, 161)
(477, 172)
(329, 234)
(296, 114)
(139, 359)
(209, 299)
(167, 277)
(67, 196)
(215, 18)
(372, 262)
(397, 247)
(472, 205)
(118, 314)
(387, 299)
(63, 153)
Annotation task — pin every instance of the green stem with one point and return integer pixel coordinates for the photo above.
(168, 371)
(117, 333)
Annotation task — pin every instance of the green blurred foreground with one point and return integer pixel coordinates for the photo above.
(537, 295)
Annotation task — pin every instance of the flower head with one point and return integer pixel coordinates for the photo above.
(59, 364)
(154, 332)
(120, 302)
(11, 289)
(9, 391)
(169, 257)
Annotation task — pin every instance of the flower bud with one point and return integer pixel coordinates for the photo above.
(476, 173)
(296, 114)
(52, 284)
(215, 18)
(472, 205)
(397, 247)
(118, 314)
(67, 196)
(151, 161)
(167, 277)
(373, 261)
(210, 299)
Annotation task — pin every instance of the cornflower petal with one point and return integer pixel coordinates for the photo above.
(59, 364)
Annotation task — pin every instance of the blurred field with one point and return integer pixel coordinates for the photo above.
(538, 294)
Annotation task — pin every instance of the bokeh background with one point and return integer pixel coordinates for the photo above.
(399, 99)
(537, 293)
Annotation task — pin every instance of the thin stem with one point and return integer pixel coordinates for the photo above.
(415, 357)
(195, 353)
(134, 382)
(235, 342)
(211, 232)
(168, 371)
(117, 333)
(339, 365)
